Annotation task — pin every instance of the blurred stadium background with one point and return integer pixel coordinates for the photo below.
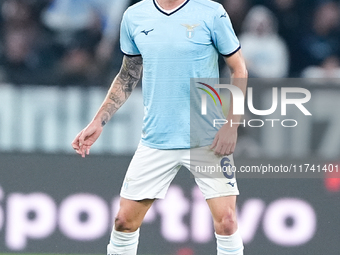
(57, 59)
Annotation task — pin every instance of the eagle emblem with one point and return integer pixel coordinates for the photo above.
(190, 29)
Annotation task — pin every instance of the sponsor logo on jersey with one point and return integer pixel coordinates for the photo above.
(146, 32)
(224, 15)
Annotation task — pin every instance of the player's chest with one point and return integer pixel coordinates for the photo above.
(179, 35)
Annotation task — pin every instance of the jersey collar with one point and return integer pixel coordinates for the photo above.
(172, 12)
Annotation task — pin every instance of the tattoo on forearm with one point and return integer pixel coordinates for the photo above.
(116, 98)
(105, 118)
(109, 110)
(125, 82)
(130, 73)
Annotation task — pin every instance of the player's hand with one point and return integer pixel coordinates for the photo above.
(84, 140)
(225, 140)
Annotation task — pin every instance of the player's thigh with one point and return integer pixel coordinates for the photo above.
(150, 173)
(131, 214)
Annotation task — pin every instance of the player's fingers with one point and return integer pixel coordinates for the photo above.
(78, 152)
(82, 138)
(81, 141)
(85, 150)
(230, 149)
(218, 149)
(225, 150)
(75, 145)
(214, 143)
(75, 142)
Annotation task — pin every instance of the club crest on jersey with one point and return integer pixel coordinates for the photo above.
(190, 29)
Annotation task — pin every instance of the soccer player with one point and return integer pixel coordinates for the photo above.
(172, 41)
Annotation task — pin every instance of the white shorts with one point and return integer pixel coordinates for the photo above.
(151, 171)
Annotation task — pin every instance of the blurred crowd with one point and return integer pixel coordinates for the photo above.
(76, 42)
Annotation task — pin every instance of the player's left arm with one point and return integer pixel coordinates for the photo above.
(226, 138)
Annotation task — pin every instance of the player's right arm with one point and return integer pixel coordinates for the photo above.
(120, 90)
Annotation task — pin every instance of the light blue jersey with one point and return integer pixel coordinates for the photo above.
(175, 47)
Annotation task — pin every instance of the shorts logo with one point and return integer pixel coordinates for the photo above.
(190, 29)
(231, 184)
(126, 183)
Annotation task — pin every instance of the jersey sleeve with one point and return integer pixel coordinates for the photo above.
(127, 44)
(223, 34)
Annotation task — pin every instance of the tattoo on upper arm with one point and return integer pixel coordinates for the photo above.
(126, 81)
